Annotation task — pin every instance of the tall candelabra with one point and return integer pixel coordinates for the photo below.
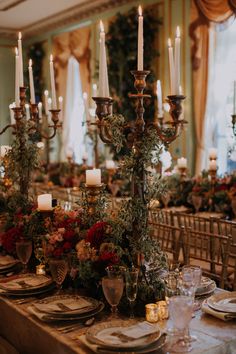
(135, 132)
(24, 129)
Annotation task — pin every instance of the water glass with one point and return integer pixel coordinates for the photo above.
(24, 251)
(113, 289)
(58, 269)
(131, 286)
(180, 310)
(192, 274)
(171, 285)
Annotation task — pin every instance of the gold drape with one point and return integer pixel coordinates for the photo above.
(202, 12)
(77, 44)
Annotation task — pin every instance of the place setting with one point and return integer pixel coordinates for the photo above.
(8, 264)
(221, 305)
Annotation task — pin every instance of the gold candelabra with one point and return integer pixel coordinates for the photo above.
(135, 132)
(93, 193)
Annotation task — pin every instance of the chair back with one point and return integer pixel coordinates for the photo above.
(194, 222)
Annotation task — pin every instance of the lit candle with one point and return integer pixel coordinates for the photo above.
(234, 103)
(159, 99)
(40, 269)
(110, 164)
(4, 150)
(213, 153)
(40, 108)
(94, 92)
(31, 82)
(53, 87)
(140, 39)
(21, 76)
(171, 67)
(49, 107)
(93, 177)
(103, 75)
(46, 101)
(12, 105)
(212, 165)
(17, 80)
(27, 111)
(151, 313)
(60, 100)
(45, 202)
(40, 145)
(86, 109)
(182, 162)
(177, 60)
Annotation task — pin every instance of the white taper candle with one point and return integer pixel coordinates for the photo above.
(31, 82)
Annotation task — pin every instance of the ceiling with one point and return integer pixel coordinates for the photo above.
(33, 16)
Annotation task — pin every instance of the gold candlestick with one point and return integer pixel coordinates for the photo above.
(93, 193)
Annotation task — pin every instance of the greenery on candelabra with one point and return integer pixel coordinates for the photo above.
(122, 39)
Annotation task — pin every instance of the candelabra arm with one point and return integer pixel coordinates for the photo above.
(104, 132)
(55, 126)
(162, 132)
(7, 127)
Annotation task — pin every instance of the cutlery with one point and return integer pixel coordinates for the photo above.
(74, 326)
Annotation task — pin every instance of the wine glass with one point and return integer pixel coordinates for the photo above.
(171, 285)
(197, 202)
(165, 198)
(58, 269)
(193, 274)
(180, 310)
(131, 286)
(113, 290)
(24, 251)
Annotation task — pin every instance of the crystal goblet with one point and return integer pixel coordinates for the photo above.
(131, 286)
(113, 290)
(58, 269)
(24, 251)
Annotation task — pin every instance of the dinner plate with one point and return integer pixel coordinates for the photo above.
(7, 262)
(67, 305)
(53, 317)
(40, 291)
(123, 334)
(25, 283)
(224, 302)
(207, 286)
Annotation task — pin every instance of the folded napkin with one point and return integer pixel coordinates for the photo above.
(7, 260)
(225, 316)
(63, 305)
(27, 281)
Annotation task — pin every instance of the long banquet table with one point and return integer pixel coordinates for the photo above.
(31, 336)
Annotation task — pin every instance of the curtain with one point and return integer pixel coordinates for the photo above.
(73, 128)
(202, 13)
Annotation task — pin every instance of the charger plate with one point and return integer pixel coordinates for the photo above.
(116, 335)
(207, 286)
(67, 305)
(25, 283)
(223, 302)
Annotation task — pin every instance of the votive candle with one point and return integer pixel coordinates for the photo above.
(93, 177)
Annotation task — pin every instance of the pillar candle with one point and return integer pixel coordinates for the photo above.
(40, 107)
(21, 76)
(27, 111)
(182, 162)
(31, 82)
(212, 165)
(159, 99)
(53, 86)
(171, 67)
(177, 61)
(17, 80)
(46, 101)
(45, 202)
(140, 39)
(103, 74)
(213, 153)
(93, 177)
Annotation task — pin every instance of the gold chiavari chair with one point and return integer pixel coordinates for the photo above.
(210, 251)
(161, 216)
(195, 222)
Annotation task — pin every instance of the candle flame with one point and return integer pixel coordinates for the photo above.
(51, 58)
(180, 90)
(85, 96)
(19, 35)
(95, 86)
(30, 62)
(60, 99)
(101, 26)
(46, 93)
(169, 43)
(40, 104)
(49, 100)
(27, 106)
(16, 51)
(177, 32)
(140, 12)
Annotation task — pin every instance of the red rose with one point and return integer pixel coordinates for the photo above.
(69, 235)
(9, 239)
(58, 252)
(67, 246)
(110, 258)
(96, 234)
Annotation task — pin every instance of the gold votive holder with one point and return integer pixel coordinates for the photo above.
(162, 310)
(40, 269)
(151, 313)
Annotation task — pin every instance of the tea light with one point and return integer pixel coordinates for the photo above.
(93, 177)
(162, 310)
(40, 269)
(151, 313)
(45, 202)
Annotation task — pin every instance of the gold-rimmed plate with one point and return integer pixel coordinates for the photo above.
(25, 283)
(66, 305)
(123, 334)
(207, 287)
(223, 302)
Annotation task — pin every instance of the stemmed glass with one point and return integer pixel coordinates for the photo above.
(58, 269)
(131, 286)
(197, 202)
(180, 310)
(24, 251)
(193, 274)
(113, 290)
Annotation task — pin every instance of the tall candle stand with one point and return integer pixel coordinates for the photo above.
(134, 133)
(93, 195)
(24, 130)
